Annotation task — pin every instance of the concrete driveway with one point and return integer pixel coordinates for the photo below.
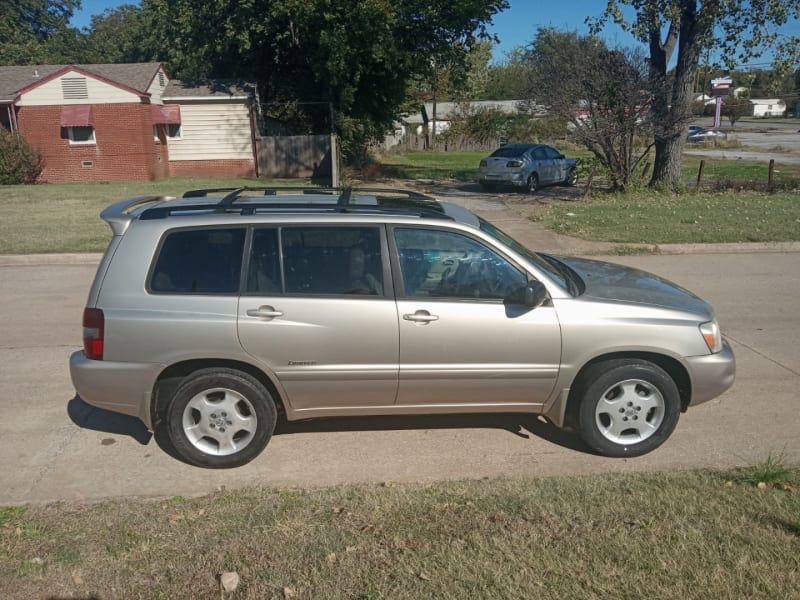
(58, 448)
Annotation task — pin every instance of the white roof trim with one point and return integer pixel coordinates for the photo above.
(205, 98)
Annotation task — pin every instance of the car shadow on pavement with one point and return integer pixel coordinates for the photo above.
(86, 416)
(521, 425)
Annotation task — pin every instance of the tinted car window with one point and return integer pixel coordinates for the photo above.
(199, 261)
(539, 154)
(443, 264)
(552, 152)
(509, 151)
(264, 269)
(332, 260)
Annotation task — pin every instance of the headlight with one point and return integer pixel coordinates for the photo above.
(712, 336)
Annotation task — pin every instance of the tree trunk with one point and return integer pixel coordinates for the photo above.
(672, 101)
(667, 163)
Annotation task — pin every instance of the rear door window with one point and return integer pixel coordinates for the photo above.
(199, 261)
(332, 260)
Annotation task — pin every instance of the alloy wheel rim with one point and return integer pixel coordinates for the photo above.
(219, 421)
(630, 412)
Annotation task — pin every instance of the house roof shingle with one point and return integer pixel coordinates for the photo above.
(209, 88)
(133, 75)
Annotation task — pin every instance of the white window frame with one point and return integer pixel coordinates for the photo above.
(73, 141)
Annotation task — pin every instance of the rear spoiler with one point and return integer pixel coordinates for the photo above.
(120, 214)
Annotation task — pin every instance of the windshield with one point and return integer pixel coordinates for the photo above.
(557, 271)
(509, 151)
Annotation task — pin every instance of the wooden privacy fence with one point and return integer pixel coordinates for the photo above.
(412, 142)
(298, 156)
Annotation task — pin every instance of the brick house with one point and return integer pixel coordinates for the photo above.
(128, 122)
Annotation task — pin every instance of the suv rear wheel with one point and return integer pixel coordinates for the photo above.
(627, 407)
(220, 418)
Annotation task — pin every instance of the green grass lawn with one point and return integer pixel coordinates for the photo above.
(65, 217)
(54, 218)
(730, 172)
(653, 218)
(705, 534)
(461, 166)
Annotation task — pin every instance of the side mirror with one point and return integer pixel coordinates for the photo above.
(531, 296)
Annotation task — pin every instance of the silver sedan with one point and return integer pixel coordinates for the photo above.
(527, 166)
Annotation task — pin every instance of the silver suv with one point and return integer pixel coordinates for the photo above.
(211, 314)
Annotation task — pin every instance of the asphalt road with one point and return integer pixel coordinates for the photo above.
(57, 448)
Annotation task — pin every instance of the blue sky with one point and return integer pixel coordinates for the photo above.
(514, 26)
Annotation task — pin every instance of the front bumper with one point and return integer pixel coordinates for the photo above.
(711, 374)
(120, 387)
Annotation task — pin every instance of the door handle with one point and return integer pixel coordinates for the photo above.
(264, 312)
(421, 316)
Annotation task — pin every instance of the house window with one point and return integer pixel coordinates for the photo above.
(174, 131)
(769, 107)
(74, 88)
(81, 135)
(156, 137)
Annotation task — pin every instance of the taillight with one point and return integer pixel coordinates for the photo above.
(484, 163)
(514, 163)
(93, 332)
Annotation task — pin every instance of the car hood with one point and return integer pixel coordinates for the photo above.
(610, 281)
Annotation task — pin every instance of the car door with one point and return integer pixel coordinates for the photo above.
(460, 343)
(543, 165)
(319, 312)
(559, 164)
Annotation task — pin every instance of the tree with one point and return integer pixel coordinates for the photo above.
(358, 56)
(28, 25)
(125, 34)
(736, 107)
(507, 79)
(600, 92)
(738, 29)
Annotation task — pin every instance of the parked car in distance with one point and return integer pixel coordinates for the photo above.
(212, 314)
(526, 166)
(700, 134)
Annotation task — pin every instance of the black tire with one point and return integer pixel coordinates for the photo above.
(610, 425)
(248, 418)
(533, 184)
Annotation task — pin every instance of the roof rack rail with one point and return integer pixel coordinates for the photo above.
(342, 201)
(274, 190)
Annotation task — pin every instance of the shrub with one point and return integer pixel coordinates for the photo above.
(19, 163)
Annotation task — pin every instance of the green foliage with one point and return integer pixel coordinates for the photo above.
(601, 96)
(738, 29)
(305, 51)
(736, 107)
(19, 163)
(510, 78)
(773, 470)
(27, 27)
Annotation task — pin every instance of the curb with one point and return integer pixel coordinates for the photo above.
(32, 260)
(728, 248)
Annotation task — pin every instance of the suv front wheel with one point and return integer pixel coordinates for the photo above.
(220, 418)
(627, 407)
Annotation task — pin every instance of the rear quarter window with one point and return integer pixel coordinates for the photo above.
(199, 261)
